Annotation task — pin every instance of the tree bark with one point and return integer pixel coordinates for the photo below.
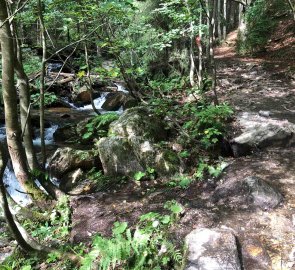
(42, 83)
(13, 130)
(4, 203)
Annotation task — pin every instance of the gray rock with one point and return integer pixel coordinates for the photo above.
(263, 195)
(67, 159)
(212, 249)
(117, 156)
(262, 132)
(139, 122)
(164, 161)
(243, 193)
(114, 101)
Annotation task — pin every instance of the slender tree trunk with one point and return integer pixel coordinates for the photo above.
(42, 83)
(218, 19)
(4, 204)
(292, 7)
(200, 51)
(89, 81)
(224, 28)
(13, 130)
(192, 60)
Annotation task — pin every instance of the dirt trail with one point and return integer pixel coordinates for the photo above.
(253, 85)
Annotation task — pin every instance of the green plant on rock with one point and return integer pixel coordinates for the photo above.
(99, 125)
(148, 247)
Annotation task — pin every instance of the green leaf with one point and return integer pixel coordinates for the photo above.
(139, 175)
(119, 227)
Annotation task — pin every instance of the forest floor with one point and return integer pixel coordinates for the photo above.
(249, 84)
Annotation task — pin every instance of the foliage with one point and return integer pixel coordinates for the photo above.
(49, 99)
(99, 125)
(214, 171)
(181, 181)
(260, 24)
(148, 247)
(150, 173)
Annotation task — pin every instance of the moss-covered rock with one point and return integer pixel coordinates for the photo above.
(117, 157)
(139, 122)
(67, 159)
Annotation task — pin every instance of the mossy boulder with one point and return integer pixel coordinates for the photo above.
(117, 156)
(66, 159)
(139, 122)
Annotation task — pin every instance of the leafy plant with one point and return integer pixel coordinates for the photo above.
(49, 99)
(150, 173)
(214, 171)
(182, 181)
(98, 126)
(147, 247)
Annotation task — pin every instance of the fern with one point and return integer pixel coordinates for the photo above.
(147, 248)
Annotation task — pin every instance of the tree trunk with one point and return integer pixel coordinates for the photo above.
(4, 203)
(89, 81)
(13, 130)
(192, 60)
(224, 28)
(200, 51)
(42, 83)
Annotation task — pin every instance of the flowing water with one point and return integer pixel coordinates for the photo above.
(12, 185)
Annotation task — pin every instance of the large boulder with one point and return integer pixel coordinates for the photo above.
(139, 122)
(132, 145)
(212, 249)
(150, 155)
(114, 101)
(67, 159)
(260, 131)
(83, 95)
(251, 191)
(117, 156)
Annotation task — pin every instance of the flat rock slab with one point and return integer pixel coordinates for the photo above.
(247, 192)
(261, 131)
(212, 249)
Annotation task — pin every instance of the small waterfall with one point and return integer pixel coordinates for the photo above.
(14, 188)
(48, 136)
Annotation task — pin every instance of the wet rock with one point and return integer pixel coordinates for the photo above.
(114, 101)
(117, 156)
(251, 191)
(261, 132)
(71, 179)
(255, 255)
(65, 133)
(212, 249)
(83, 96)
(67, 159)
(139, 122)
